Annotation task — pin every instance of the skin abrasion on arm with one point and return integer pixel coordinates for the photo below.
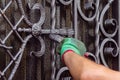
(84, 69)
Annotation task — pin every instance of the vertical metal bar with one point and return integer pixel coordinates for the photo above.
(119, 30)
(75, 19)
(53, 23)
(97, 37)
(58, 26)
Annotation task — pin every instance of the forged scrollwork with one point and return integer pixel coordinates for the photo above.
(106, 31)
(66, 2)
(63, 69)
(42, 50)
(113, 50)
(91, 6)
(88, 55)
(37, 26)
(109, 22)
(109, 28)
(20, 5)
(16, 59)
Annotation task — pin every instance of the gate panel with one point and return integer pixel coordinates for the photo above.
(30, 31)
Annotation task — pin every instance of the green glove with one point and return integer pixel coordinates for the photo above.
(71, 44)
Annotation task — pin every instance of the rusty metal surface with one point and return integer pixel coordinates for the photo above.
(97, 18)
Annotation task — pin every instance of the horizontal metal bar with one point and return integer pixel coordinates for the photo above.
(49, 31)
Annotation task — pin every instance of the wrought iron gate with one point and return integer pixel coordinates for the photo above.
(29, 25)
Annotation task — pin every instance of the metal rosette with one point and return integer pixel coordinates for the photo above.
(35, 27)
(91, 6)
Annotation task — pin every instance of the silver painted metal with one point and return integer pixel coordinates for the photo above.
(102, 49)
(119, 31)
(37, 26)
(93, 5)
(56, 34)
(20, 5)
(75, 19)
(66, 2)
(49, 31)
(60, 72)
(56, 38)
(99, 27)
(42, 50)
(101, 21)
(88, 54)
(53, 24)
(17, 58)
(97, 38)
(19, 54)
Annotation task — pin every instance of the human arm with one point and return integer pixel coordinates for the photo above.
(82, 68)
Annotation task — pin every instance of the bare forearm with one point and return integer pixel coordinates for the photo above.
(84, 69)
(73, 65)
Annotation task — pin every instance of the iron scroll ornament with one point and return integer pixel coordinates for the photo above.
(113, 51)
(112, 22)
(100, 27)
(109, 36)
(16, 59)
(66, 2)
(35, 29)
(90, 5)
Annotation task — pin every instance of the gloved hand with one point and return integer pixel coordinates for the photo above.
(71, 44)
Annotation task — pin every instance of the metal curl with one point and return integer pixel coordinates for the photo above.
(83, 15)
(37, 26)
(19, 2)
(66, 2)
(42, 50)
(35, 6)
(63, 69)
(88, 54)
(42, 12)
(101, 21)
(102, 49)
(30, 3)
